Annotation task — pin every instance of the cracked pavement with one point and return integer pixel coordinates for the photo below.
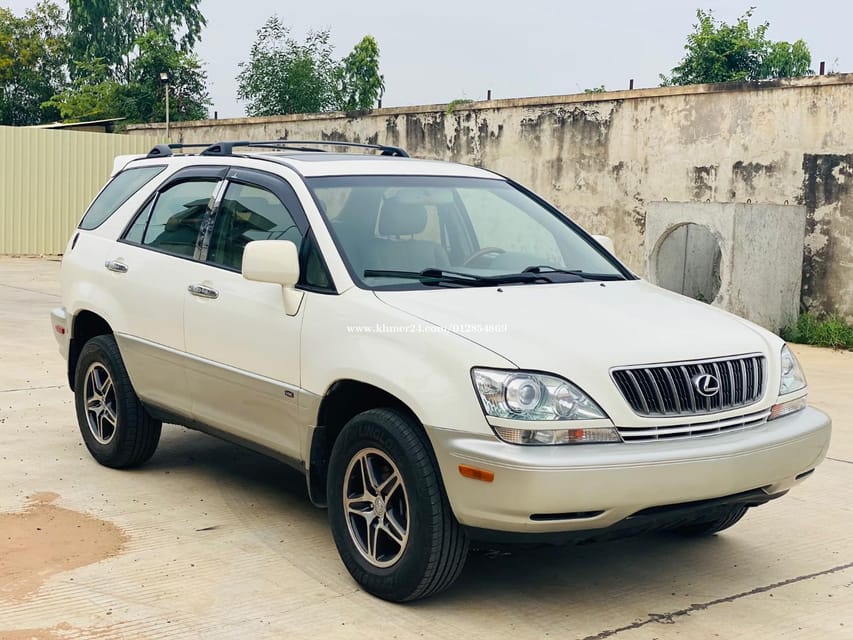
(218, 542)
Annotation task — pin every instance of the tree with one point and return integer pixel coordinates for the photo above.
(33, 56)
(95, 94)
(358, 83)
(720, 52)
(284, 76)
(109, 29)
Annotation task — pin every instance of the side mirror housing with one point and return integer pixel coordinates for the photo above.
(605, 242)
(276, 262)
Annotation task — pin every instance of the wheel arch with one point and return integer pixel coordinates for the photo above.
(85, 326)
(343, 400)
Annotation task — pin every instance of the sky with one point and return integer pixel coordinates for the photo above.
(437, 51)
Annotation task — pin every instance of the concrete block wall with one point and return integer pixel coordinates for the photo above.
(602, 158)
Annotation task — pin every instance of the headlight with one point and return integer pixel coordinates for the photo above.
(793, 378)
(522, 395)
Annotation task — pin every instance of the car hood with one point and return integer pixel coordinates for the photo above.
(582, 330)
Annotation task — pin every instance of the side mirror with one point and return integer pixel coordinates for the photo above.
(605, 242)
(276, 262)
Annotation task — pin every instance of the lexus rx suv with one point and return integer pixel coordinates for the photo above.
(444, 355)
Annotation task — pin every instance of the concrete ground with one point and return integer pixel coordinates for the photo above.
(210, 541)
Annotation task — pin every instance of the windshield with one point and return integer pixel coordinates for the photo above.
(405, 232)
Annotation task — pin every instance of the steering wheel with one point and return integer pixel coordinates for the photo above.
(482, 252)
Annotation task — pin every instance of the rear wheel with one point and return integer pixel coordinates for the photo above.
(722, 519)
(116, 428)
(389, 515)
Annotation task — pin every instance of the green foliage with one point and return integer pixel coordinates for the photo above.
(33, 53)
(600, 89)
(720, 52)
(95, 94)
(285, 76)
(145, 99)
(358, 83)
(108, 30)
(453, 105)
(827, 331)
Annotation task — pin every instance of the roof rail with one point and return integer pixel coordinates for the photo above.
(162, 150)
(227, 148)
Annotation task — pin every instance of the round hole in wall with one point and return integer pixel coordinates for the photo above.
(687, 261)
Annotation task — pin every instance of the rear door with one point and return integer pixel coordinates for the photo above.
(153, 263)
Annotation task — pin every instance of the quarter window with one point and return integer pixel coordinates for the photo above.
(248, 213)
(116, 193)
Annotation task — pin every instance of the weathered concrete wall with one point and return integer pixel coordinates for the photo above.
(757, 249)
(602, 157)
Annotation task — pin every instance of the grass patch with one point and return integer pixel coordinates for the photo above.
(827, 331)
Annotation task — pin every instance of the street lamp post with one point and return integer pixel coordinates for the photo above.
(164, 79)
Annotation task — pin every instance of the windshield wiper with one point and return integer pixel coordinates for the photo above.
(437, 276)
(580, 273)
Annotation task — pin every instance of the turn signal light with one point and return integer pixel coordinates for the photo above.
(476, 474)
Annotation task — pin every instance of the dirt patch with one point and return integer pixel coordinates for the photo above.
(36, 634)
(63, 631)
(44, 540)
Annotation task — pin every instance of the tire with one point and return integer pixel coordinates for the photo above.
(723, 519)
(418, 548)
(115, 426)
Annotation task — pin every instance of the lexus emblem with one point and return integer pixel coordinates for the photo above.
(706, 385)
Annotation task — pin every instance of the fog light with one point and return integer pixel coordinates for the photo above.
(557, 436)
(786, 408)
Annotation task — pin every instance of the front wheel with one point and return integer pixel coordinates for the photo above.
(389, 515)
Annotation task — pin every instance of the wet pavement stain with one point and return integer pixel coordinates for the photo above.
(44, 539)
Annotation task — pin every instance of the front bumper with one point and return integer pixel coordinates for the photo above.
(59, 322)
(586, 487)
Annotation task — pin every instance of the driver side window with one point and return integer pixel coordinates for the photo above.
(248, 213)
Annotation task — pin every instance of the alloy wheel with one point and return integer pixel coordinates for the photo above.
(376, 507)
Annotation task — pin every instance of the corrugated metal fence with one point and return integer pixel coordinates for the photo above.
(48, 178)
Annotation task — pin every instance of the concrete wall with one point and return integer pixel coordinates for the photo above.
(602, 157)
(745, 258)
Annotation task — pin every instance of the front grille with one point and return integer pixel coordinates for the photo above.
(693, 430)
(667, 390)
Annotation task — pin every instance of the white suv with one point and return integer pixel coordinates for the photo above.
(445, 356)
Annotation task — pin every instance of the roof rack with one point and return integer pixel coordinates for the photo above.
(227, 148)
(161, 150)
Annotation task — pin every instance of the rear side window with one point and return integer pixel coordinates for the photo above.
(173, 223)
(116, 193)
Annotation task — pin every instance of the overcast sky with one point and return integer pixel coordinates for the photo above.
(436, 51)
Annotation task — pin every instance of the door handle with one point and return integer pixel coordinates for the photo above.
(116, 266)
(203, 292)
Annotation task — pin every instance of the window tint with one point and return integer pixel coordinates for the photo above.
(177, 216)
(116, 193)
(137, 229)
(248, 213)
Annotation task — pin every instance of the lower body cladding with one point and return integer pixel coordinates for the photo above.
(560, 492)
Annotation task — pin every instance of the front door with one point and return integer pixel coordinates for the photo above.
(243, 349)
